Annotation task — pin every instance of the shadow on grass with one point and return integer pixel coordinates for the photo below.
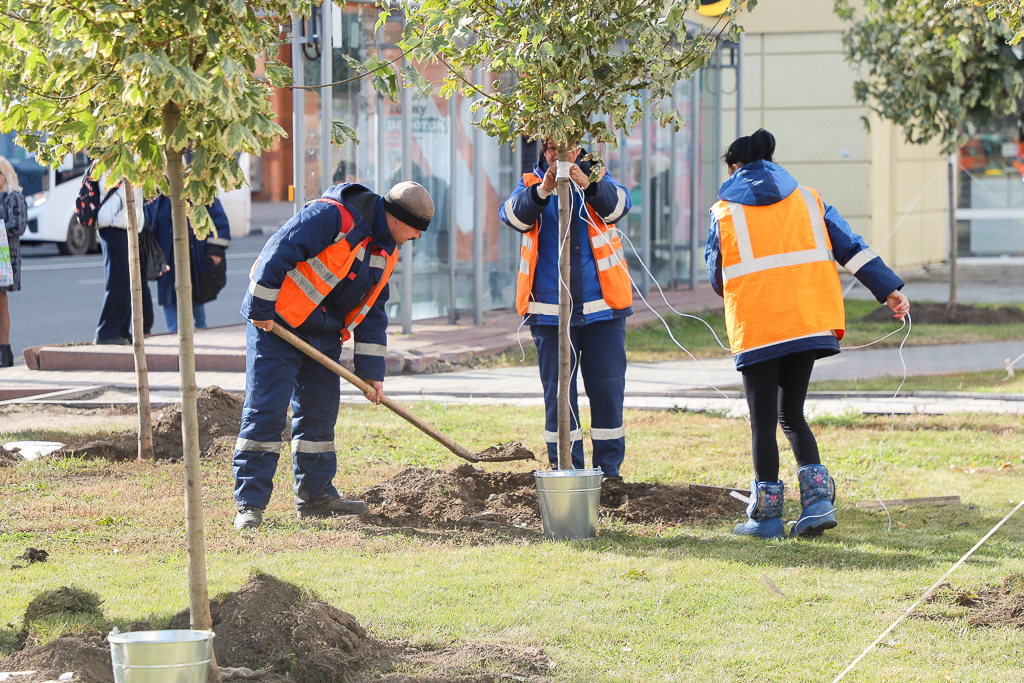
(920, 537)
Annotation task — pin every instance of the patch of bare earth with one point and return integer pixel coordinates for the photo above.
(220, 416)
(467, 497)
(9, 458)
(23, 417)
(1001, 605)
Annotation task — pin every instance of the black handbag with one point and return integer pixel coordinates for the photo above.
(150, 254)
(212, 279)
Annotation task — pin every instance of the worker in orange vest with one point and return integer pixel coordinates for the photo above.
(600, 290)
(771, 253)
(323, 275)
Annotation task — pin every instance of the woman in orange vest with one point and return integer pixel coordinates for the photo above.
(771, 253)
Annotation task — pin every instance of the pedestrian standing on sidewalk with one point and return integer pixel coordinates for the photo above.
(771, 253)
(112, 220)
(601, 298)
(14, 215)
(324, 276)
(206, 257)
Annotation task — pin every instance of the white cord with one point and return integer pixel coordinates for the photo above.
(864, 346)
(881, 462)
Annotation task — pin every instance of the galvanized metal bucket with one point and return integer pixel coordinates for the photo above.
(177, 656)
(569, 500)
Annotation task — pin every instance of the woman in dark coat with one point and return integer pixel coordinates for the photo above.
(14, 214)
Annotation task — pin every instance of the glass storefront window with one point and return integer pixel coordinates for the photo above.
(990, 195)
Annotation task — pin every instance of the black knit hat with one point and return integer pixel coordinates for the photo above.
(410, 203)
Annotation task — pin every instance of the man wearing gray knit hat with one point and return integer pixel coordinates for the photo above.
(324, 275)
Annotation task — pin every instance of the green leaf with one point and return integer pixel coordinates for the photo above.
(342, 133)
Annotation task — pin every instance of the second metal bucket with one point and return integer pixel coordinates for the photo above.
(175, 656)
(569, 501)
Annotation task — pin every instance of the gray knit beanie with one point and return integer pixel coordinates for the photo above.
(410, 203)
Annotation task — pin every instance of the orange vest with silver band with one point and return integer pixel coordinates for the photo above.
(311, 281)
(779, 277)
(612, 272)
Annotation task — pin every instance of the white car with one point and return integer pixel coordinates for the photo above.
(50, 194)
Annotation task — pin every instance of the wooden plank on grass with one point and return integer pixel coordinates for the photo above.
(935, 500)
(718, 489)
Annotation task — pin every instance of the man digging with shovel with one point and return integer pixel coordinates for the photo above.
(324, 275)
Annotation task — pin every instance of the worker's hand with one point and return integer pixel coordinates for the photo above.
(265, 325)
(379, 388)
(899, 303)
(579, 177)
(215, 259)
(549, 183)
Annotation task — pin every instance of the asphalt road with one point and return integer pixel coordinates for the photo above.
(61, 296)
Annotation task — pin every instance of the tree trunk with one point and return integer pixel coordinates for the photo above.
(951, 177)
(195, 541)
(141, 370)
(564, 314)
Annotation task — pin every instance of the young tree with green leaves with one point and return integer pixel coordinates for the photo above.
(931, 67)
(566, 70)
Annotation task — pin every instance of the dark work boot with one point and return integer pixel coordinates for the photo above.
(248, 517)
(333, 507)
(764, 511)
(817, 493)
(6, 356)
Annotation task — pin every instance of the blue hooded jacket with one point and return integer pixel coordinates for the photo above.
(763, 183)
(525, 206)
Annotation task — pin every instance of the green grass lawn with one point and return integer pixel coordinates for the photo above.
(651, 343)
(639, 603)
(990, 382)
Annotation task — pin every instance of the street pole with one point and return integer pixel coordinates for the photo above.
(407, 254)
(298, 119)
(645, 196)
(695, 133)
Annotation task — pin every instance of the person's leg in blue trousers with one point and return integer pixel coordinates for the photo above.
(602, 347)
(545, 337)
(314, 414)
(271, 368)
(198, 317)
(115, 315)
(147, 313)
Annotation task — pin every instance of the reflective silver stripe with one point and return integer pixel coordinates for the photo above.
(323, 271)
(552, 437)
(826, 333)
(817, 222)
(595, 306)
(739, 226)
(303, 446)
(218, 241)
(859, 260)
(794, 258)
(371, 350)
(524, 266)
(620, 206)
(362, 313)
(261, 292)
(527, 243)
(542, 309)
(306, 286)
(250, 445)
(510, 214)
(607, 434)
(360, 253)
(601, 239)
(609, 261)
(378, 261)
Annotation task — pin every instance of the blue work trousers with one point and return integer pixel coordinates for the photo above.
(601, 357)
(276, 374)
(116, 314)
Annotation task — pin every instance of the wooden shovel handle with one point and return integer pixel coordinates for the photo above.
(393, 406)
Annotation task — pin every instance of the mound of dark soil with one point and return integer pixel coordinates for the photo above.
(10, 458)
(1001, 605)
(468, 497)
(274, 626)
(87, 658)
(220, 417)
(966, 314)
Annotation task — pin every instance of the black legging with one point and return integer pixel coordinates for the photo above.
(775, 391)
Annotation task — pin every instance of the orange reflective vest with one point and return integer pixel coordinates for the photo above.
(311, 281)
(779, 277)
(612, 272)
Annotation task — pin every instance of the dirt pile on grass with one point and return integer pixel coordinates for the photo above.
(10, 458)
(966, 314)
(269, 625)
(468, 497)
(87, 657)
(1001, 605)
(220, 417)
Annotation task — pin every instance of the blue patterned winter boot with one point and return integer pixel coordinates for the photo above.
(764, 511)
(817, 493)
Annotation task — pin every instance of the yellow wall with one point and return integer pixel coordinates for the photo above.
(798, 85)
